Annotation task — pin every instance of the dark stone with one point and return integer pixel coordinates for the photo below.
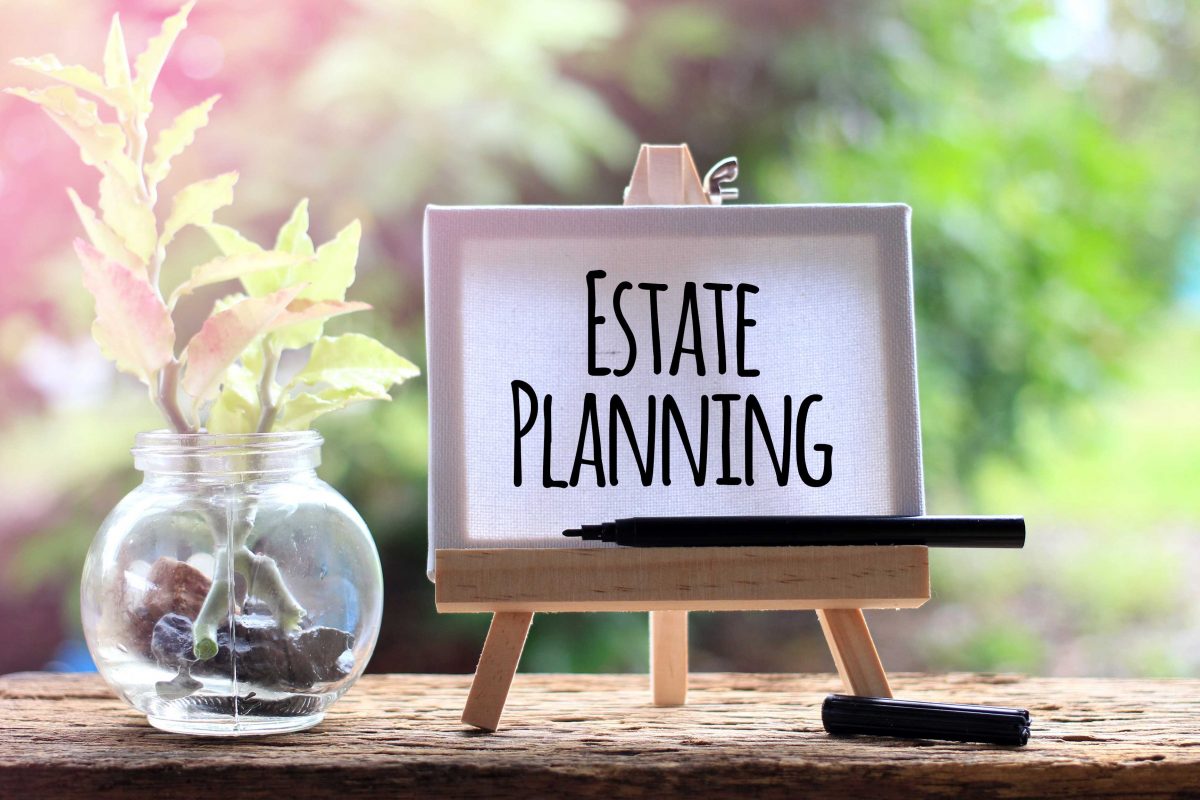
(265, 655)
(171, 642)
(259, 648)
(325, 652)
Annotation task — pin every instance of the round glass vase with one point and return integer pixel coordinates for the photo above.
(233, 592)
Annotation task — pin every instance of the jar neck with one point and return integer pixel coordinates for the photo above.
(226, 458)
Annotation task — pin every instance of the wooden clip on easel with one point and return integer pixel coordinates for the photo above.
(838, 582)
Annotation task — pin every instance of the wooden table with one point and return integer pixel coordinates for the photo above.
(598, 736)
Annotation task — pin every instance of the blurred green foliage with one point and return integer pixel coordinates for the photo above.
(1048, 152)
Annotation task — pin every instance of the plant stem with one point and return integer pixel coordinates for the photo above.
(266, 402)
(138, 137)
(263, 580)
(167, 398)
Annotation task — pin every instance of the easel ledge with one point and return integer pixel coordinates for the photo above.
(838, 582)
(681, 579)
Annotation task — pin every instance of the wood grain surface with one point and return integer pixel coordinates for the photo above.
(681, 578)
(599, 736)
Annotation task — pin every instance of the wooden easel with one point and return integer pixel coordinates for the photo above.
(838, 582)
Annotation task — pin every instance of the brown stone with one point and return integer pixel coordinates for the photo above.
(175, 588)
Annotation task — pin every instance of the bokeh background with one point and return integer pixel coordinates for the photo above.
(1049, 151)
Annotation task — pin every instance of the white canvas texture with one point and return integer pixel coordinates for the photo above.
(507, 299)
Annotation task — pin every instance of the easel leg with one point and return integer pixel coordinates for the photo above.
(668, 657)
(854, 652)
(497, 665)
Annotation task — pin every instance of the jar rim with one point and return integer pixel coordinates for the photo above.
(165, 451)
(164, 438)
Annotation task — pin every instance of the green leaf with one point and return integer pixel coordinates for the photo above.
(80, 77)
(332, 273)
(116, 60)
(227, 302)
(293, 235)
(327, 278)
(355, 361)
(149, 64)
(261, 283)
(101, 144)
(131, 219)
(196, 203)
(252, 358)
(175, 139)
(226, 268)
(229, 241)
(224, 336)
(290, 329)
(104, 238)
(298, 412)
(236, 409)
(133, 326)
(292, 238)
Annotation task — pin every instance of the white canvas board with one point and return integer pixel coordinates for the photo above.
(826, 312)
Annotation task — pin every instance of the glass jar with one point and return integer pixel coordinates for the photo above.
(233, 592)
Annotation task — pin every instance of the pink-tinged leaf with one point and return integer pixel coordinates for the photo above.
(225, 268)
(133, 326)
(104, 238)
(302, 310)
(225, 335)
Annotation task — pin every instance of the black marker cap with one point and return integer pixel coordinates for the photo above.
(844, 715)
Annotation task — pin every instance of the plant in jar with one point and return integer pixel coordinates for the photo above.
(237, 425)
